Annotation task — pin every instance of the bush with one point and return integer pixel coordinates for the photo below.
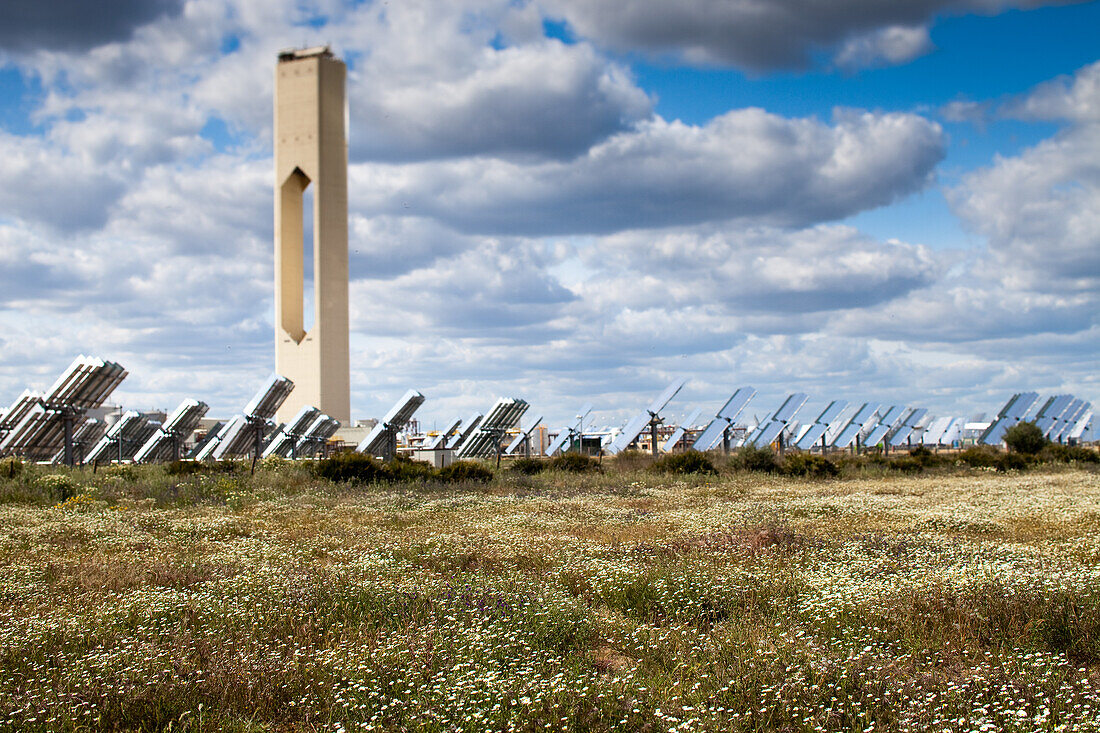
(810, 465)
(575, 463)
(56, 486)
(349, 466)
(1013, 461)
(186, 468)
(979, 457)
(906, 464)
(1058, 453)
(460, 471)
(527, 466)
(403, 468)
(1025, 437)
(925, 457)
(691, 461)
(759, 460)
(9, 467)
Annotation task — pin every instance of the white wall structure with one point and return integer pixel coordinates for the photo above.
(311, 154)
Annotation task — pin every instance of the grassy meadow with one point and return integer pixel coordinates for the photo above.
(951, 598)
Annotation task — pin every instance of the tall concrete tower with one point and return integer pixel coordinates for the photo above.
(311, 154)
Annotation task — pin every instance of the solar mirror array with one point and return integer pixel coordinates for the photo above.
(53, 426)
(244, 433)
(885, 423)
(650, 417)
(382, 440)
(42, 427)
(123, 439)
(502, 418)
(780, 423)
(284, 443)
(849, 434)
(570, 434)
(681, 430)
(86, 435)
(1061, 418)
(440, 440)
(721, 427)
(523, 439)
(903, 433)
(817, 431)
(318, 434)
(468, 428)
(166, 442)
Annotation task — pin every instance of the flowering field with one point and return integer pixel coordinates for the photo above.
(614, 601)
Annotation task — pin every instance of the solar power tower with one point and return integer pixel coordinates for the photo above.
(284, 443)
(816, 432)
(681, 429)
(382, 440)
(722, 424)
(1015, 410)
(244, 433)
(774, 429)
(523, 439)
(570, 433)
(650, 417)
(47, 426)
(166, 443)
(487, 441)
(311, 152)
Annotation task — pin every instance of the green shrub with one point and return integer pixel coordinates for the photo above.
(691, 461)
(759, 460)
(349, 466)
(1025, 437)
(186, 468)
(979, 457)
(809, 465)
(1013, 461)
(460, 471)
(925, 457)
(527, 466)
(1057, 453)
(125, 471)
(575, 463)
(403, 468)
(10, 466)
(905, 464)
(56, 486)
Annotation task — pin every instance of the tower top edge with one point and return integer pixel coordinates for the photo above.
(294, 54)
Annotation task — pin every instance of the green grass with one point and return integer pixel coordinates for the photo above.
(625, 598)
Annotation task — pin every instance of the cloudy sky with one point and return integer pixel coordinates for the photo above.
(569, 200)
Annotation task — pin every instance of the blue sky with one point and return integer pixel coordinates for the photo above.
(570, 200)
